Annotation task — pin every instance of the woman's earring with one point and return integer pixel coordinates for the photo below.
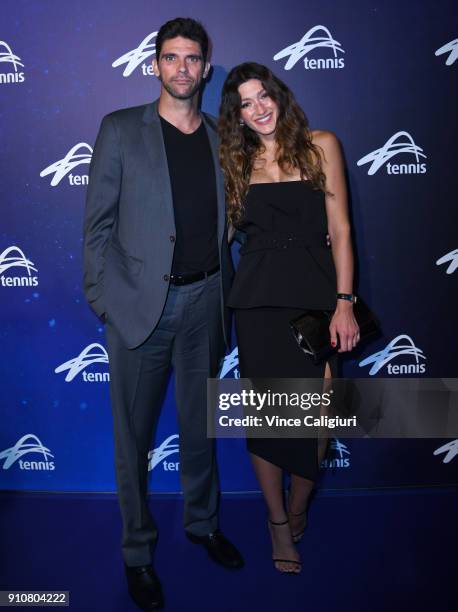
(241, 122)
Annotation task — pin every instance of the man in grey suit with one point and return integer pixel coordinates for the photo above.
(157, 268)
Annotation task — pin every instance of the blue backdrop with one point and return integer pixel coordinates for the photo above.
(381, 75)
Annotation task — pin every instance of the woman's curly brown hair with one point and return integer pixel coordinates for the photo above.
(240, 145)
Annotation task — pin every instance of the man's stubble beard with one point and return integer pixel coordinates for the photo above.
(181, 96)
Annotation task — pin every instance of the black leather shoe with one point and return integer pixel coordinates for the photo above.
(144, 587)
(219, 549)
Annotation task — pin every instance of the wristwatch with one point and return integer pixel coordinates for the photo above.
(350, 297)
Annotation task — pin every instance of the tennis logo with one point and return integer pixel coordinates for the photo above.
(449, 450)
(80, 154)
(230, 369)
(452, 49)
(28, 445)
(8, 58)
(452, 260)
(401, 345)
(400, 143)
(11, 259)
(338, 456)
(132, 59)
(318, 37)
(93, 353)
(160, 454)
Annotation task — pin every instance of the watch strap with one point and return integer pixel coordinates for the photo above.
(350, 297)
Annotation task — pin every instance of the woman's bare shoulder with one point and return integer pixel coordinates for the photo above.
(324, 138)
(328, 143)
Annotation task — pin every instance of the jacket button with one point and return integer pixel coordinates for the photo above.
(166, 277)
(172, 238)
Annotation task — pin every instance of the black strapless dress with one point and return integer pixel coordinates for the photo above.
(285, 268)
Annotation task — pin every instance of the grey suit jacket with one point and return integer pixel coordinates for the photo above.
(129, 226)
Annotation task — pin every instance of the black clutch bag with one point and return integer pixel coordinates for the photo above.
(311, 330)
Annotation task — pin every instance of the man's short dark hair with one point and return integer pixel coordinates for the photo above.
(185, 27)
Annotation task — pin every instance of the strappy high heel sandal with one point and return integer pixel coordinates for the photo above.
(297, 564)
(297, 537)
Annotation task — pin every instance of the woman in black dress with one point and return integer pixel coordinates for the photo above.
(286, 190)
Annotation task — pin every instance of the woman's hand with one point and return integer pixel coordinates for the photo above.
(344, 325)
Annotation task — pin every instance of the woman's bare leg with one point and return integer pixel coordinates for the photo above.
(270, 480)
(301, 488)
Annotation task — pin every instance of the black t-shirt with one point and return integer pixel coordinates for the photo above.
(193, 181)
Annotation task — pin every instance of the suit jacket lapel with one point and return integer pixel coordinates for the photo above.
(154, 144)
(221, 198)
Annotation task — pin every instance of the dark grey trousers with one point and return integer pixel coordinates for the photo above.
(188, 337)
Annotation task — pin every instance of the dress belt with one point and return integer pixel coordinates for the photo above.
(276, 240)
(186, 279)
